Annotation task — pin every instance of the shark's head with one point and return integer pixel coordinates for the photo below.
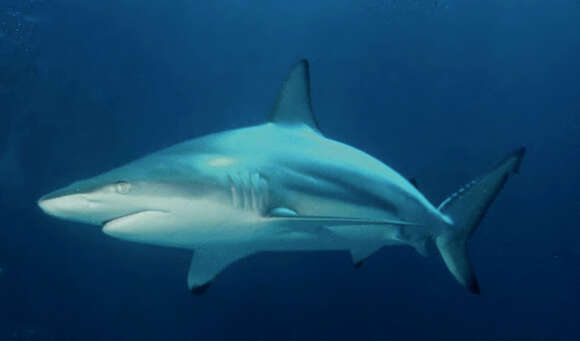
(146, 201)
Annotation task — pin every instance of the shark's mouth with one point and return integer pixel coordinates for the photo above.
(129, 218)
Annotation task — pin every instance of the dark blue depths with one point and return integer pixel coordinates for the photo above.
(440, 90)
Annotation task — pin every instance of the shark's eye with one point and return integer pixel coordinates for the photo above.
(122, 187)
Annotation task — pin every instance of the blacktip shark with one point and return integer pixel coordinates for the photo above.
(278, 186)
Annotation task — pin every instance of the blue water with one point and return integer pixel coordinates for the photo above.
(440, 90)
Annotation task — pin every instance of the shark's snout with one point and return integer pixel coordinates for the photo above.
(92, 204)
(46, 205)
(81, 203)
(66, 206)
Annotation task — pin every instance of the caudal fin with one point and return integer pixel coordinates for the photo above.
(466, 208)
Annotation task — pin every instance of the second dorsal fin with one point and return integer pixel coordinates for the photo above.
(293, 106)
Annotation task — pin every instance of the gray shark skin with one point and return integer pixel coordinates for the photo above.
(278, 186)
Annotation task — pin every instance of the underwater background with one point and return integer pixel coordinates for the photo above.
(438, 89)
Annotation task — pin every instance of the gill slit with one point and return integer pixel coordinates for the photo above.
(249, 191)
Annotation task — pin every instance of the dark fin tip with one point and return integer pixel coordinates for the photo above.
(303, 61)
(519, 153)
(474, 287)
(199, 290)
(357, 265)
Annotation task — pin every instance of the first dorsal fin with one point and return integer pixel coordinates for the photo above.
(293, 106)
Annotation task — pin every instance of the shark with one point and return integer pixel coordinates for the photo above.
(278, 186)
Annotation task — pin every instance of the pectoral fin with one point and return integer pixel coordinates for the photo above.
(207, 263)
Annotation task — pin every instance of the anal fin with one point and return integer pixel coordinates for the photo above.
(420, 246)
(361, 253)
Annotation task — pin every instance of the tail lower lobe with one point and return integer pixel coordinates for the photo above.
(466, 208)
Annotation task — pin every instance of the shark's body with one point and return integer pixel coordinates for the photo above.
(279, 186)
